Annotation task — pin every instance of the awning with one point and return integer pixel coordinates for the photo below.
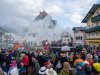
(93, 41)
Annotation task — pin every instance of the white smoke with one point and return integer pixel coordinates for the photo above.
(44, 29)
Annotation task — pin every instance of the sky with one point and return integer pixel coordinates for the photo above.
(68, 13)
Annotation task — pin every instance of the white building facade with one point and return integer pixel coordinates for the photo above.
(79, 35)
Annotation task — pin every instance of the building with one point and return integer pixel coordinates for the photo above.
(2, 32)
(92, 19)
(79, 35)
(6, 37)
(65, 38)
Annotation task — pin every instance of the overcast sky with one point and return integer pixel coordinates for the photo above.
(67, 12)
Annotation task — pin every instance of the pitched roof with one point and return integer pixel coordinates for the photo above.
(41, 15)
(79, 28)
(91, 12)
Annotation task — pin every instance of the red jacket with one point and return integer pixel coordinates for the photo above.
(25, 60)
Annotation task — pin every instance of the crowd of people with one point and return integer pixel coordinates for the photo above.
(80, 61)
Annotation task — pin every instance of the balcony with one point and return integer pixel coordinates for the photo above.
(92, 29)
(95, 19)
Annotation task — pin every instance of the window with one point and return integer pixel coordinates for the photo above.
(89, 34)
(97, 33)
(80, 37)
(96, 23)
(92, 25)
(92, 34)
(76, 38)
(97, 13)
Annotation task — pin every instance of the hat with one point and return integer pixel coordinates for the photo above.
(4, 51)
(40, 53)
(51, 72)
(85, 63)
(89, 56)
(46, 63)
(13, 63)
(42, 70)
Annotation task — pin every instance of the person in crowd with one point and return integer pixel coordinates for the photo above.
(40, 59)
(95, 56)
(42, 71)
(58, 65)
(50, 70)
(30, 63)
(21, 56)
(36, 66)
(63, 58)
(4, 68)
(71, 59)
(25, 61)
(53, 58)
(66, 68)
(79, 65)
(13, 69)
(96, 67)
(89, 58)
(8, 60)
(87, 67)
(2, 72)
(72, 71)
(22, 69)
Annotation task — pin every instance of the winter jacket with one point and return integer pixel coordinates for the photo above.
(25, 60)
(64, 72)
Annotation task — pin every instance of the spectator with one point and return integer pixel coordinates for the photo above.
(66, 68)
(36, 66)
(49, 70)
(22, 69)
(13, 69)
(79, 65)
(25, 61)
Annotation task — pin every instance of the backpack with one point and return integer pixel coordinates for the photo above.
(87, 68)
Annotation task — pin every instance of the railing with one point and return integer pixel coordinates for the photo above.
(93, 29)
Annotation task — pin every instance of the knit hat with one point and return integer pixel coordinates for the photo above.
(89, 56)
(13, 63)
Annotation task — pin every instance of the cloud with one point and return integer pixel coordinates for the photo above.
(74, 17)
(21, 12)
(56, 10)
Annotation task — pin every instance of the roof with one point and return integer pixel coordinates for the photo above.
(79, 28)
(91, 12)
(41, 15)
